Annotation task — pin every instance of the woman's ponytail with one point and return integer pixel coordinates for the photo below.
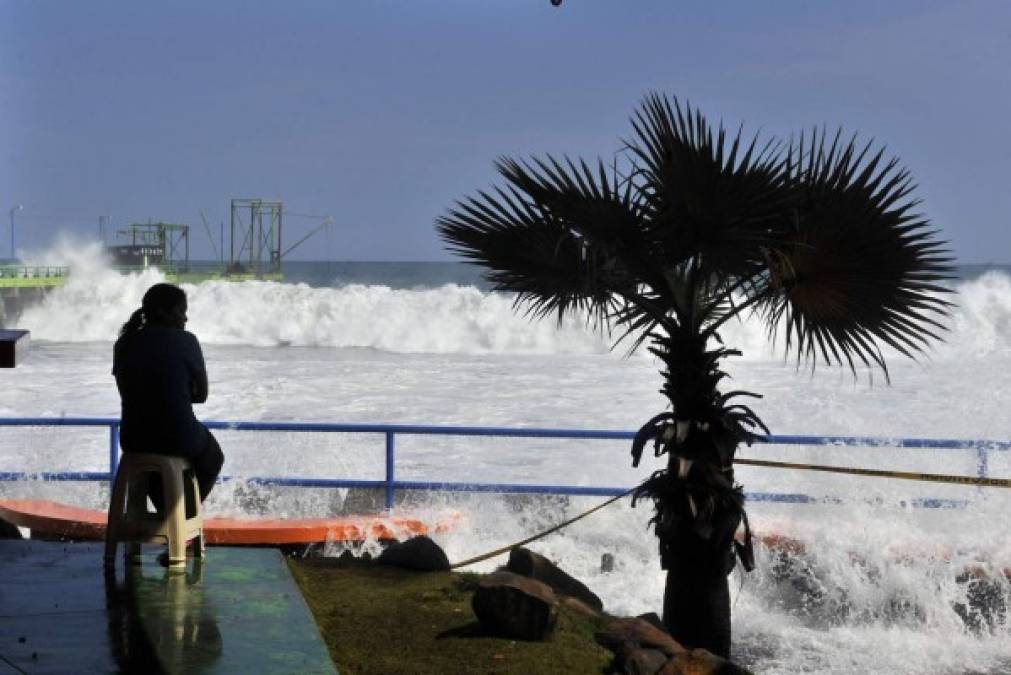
(134, 325)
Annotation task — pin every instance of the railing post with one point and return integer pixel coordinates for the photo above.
(391, 449)
(113, 450)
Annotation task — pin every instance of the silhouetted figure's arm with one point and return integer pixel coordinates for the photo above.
(197, 370)
(199, 384)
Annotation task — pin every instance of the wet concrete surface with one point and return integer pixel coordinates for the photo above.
(239, 611)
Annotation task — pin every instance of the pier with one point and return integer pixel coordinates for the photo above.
(25, 285)
(254, 253)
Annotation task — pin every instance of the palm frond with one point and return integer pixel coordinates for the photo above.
(606, 216)
(541, 242)
(857, 269)
(528, 254)
(709, 197)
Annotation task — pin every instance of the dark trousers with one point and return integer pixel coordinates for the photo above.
(206, 466)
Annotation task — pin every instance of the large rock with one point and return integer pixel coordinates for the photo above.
(578, 607)
(417, 553)
(8, 531)
(514, 606)
(643, 662)
(624, 635)
(529, 564)
(654, 618)
(635, 640)
(701, 662)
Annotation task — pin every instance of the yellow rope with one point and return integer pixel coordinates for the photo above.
(904, 475)
(505, 549)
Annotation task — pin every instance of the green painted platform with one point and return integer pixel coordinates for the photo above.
(237, 612)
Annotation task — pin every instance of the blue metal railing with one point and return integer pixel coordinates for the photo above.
(390, 484)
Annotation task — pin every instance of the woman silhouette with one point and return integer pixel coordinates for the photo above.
(160, 373)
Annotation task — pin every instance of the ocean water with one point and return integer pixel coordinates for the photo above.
(877, 589)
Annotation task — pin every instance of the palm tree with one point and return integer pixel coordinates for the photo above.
(817, 237)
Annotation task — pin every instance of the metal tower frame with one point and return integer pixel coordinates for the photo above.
(170, 237)
(260, 247)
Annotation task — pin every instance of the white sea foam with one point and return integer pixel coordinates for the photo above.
(96, 300)
(451, 319)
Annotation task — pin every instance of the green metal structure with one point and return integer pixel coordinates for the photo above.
(254, 253)
(256, 228)
(154, 244)
(21, 276)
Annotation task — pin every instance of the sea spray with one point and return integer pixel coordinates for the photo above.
(446, 319)
(96, 300)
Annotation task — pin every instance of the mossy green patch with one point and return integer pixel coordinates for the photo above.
(387, 621)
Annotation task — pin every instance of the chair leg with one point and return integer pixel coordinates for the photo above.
(175, 513)
(136, 510)
(117, 503)
(193, 491)
(136, 496)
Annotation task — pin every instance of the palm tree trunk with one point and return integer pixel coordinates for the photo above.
(696, 602)
(696, 609)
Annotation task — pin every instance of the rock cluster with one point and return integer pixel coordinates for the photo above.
(522, 600)
(641, 648)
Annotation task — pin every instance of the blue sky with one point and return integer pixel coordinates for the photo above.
(382, 113)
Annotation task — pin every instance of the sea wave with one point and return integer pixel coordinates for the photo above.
(97, 300)
(452, 319)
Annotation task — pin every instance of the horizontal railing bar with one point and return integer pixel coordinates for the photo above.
(56, 475)
(58, 421)
(422, 430)
(872, 441)
(500, 488)
(434, 485)
(936, 503)
(308, 482)
(510, 488)
(532, 432)
(782, 498)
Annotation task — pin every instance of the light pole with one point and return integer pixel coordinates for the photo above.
(14, 209)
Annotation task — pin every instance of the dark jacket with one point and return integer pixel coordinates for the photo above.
(160, 373)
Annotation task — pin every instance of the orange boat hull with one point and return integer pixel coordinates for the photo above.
(78, 523)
